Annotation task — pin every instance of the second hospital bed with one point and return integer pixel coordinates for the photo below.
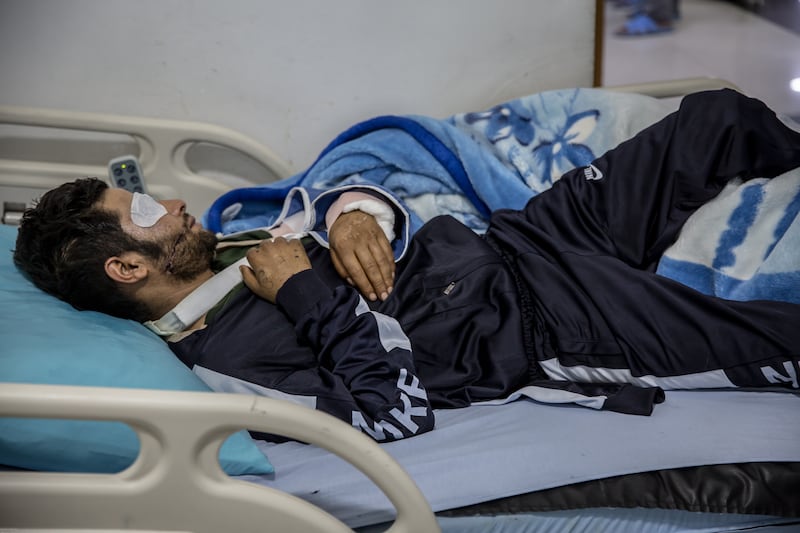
(705, 461)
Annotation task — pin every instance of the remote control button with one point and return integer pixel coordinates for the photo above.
(117, 171)
(134, 179)
(121, 182)
(131, 168)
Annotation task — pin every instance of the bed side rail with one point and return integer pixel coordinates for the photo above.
(180, 435)
(675, 88)
(169, 151)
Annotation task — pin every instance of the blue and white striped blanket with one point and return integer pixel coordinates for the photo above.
(743, 245)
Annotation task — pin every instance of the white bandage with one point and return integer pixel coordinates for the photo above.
(145, 211)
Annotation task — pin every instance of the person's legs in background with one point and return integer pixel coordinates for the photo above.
(650, 17)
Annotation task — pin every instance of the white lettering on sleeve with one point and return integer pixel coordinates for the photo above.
(402, 416)
(774, 376)
(413, 388)
(376, 430)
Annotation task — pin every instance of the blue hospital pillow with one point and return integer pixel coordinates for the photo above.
(45, 340)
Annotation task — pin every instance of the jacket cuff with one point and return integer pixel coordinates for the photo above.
(300, 293)
(634, 400)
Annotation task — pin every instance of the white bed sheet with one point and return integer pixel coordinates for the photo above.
(482, 453)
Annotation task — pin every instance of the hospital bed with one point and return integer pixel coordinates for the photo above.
(706, 461)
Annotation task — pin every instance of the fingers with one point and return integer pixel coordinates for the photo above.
(384, 257)
(362, 254)
(370, 268)
(249, 277)
(340, 268)
(272, 263)
(261, 287)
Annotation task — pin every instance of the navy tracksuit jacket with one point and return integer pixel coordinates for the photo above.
(559, 298)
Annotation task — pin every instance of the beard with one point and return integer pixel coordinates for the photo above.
(190, 254)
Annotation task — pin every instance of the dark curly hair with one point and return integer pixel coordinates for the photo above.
(63, 243)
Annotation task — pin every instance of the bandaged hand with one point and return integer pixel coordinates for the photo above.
(362, 255)
(272, 263)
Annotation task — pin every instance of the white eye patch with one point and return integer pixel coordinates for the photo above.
(145, 211)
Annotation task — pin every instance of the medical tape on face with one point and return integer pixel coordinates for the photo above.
(145, 211)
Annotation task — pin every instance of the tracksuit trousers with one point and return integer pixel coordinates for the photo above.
(586, 253)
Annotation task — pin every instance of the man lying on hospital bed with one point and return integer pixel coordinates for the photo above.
(557, 301)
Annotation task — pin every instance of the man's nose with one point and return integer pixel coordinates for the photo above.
(174, 207)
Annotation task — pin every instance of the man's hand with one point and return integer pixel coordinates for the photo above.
(362, 255)
(272, 263)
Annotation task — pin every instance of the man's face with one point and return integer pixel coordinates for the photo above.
(186, 249)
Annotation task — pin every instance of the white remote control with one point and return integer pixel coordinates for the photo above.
(126, 173)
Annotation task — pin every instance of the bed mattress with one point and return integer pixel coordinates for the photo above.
(483, 453)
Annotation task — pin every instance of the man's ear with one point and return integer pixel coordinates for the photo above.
(129, 267)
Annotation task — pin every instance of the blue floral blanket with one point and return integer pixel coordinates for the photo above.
(743, 245)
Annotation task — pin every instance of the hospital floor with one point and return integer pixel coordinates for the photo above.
(715, 38)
